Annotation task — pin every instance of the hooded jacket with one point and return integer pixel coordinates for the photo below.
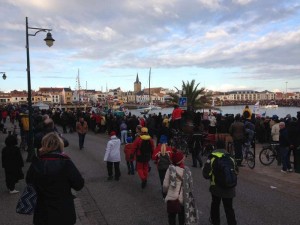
(112, 152)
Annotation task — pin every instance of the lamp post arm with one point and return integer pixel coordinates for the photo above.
(38, 30)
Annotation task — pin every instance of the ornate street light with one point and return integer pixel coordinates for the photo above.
(4, 75)
(49, 42)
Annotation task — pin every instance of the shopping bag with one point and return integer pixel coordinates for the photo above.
(27, 201)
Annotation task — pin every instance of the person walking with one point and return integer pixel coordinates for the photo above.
(237, 131)
(12, 162)
(143, 148)
(53, 175)
(214, 169)
(196, 147)
(128, 150)
(124, 132)
(112, 156)
(162, 157)
(82, 129)
(178, 187)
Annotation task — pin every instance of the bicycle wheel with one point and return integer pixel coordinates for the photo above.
(250, 160)
(267, 156)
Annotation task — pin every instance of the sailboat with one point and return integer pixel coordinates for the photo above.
(151, 106)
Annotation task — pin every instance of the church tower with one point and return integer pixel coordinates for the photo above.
(137, 84)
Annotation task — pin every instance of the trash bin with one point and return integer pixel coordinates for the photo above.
(297, 160)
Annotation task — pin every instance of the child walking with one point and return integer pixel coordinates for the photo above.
(128, 150)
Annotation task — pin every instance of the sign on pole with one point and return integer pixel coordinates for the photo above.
(183, 103)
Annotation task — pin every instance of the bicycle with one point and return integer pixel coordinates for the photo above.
(208, 144)
(268, 154)
(248, 155)
(180, 141)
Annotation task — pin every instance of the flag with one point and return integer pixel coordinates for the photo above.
(256, 108)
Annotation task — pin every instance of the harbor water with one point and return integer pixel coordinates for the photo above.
(281, 112)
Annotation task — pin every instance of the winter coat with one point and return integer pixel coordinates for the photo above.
(157, 153)
(214, 188)
(283, 138)
(53, 176)
(12, 162)
(138, 143)
(177, 113)
(237, 131)
(82, 128)
(177, 192)
(112, 152)
(128, 150)
(275, 132)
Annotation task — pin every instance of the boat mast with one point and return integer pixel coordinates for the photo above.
(149, 86)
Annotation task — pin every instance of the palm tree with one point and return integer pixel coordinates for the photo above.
(196, 98)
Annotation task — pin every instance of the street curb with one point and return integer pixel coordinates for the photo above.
(81, 217)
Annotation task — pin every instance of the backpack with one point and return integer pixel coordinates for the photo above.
(145, 150)
(224, 171)
(163, 162)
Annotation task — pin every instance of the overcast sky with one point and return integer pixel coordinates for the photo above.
(223, 44)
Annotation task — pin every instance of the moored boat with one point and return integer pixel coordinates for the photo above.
(271, 105)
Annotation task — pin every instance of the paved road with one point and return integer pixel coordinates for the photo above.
(264, 195)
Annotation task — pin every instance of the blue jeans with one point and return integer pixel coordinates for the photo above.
(123, 136)
(285, 158)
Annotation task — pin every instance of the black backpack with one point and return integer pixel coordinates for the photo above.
(224, 171)
(163, 162)
(145, 150)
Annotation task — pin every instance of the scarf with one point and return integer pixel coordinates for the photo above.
(190, 210)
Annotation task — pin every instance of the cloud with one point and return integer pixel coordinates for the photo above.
(242, 2)
(260, 39)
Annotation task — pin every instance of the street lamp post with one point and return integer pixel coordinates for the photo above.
(4, 75)
(49, 41)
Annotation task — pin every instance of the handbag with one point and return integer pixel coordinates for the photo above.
(174, 206)
(27, 201)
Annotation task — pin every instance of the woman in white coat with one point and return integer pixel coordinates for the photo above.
(112, 156)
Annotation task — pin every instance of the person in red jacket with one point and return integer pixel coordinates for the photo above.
(4, 115)
(176, 117)
(143, 148)
(128, 150)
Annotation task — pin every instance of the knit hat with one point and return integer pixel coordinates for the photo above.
(163, 139)
(177, 157)
(129, 140)
(113, 133)
(144, 130)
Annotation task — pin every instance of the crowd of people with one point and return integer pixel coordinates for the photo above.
(144, 138)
